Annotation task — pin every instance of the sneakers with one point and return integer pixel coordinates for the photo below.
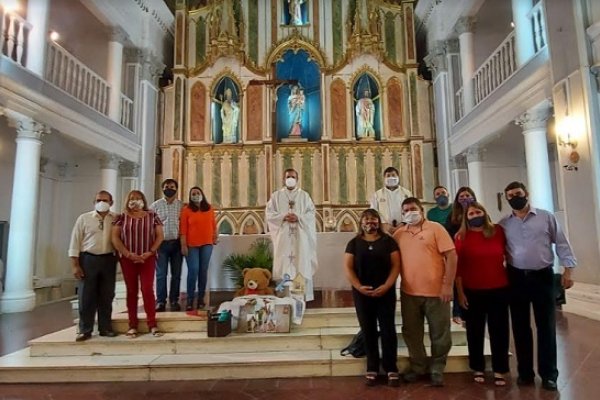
(175, 307)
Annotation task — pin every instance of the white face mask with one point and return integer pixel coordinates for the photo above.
(197, 198)
(412, 217)
(392, 181)
(102, 206)
(290, 182)
(135, 204)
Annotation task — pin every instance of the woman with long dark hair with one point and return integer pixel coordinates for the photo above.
(372, 264)
(198, 234)
(137, 235)
(482, 286)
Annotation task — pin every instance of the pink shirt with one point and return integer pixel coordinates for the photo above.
(138, 234)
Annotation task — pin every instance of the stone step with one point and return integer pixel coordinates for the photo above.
(21, 367)
(62, 343)
(181, 322)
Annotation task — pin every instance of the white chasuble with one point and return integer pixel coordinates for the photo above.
(294, 243)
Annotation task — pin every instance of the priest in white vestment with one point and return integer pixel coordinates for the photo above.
(291, 220)
(388, 200)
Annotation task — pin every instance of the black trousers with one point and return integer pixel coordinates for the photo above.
(382, 310)
(533, 289)
(96, 291)
(489, 305)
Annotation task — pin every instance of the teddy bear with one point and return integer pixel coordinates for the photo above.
(256, 281)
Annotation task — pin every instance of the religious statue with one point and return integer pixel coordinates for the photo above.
(296, 110)
(365, 116)
(230, 113)
(295, 10)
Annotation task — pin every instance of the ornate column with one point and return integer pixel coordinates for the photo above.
(524, 49)
(534, 124)
(460, 174)
(109, 171)
(114, 72)
(475, 167)
(18, 295)
(465, 27)
(151, 68)
(37, 16)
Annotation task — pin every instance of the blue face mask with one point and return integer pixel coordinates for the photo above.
(442, 200)
(466, 202)
(477, 222)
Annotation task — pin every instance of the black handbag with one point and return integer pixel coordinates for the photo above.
(356, 348)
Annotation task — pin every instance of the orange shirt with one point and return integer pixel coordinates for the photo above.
(423, 261)
(199, 228)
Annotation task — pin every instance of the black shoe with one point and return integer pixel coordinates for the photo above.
(108, 334)
(82, 337)
(522, 381)
(550, 385)
(437, 379)
(175, 307)
(160, 307)
(189, 307)
(411, 376)
(201, 306)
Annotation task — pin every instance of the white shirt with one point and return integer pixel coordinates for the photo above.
(169, 215)
(92, 234)
(389, 204)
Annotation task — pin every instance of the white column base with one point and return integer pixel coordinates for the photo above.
(15, 302)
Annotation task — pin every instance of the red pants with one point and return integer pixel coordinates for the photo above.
(134, 273)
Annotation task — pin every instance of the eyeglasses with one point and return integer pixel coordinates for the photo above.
(101, 225)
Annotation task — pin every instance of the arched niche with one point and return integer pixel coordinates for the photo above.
(251, 224)
(367, 107)
(225, 111)
(226, 226)
(346, 222)
(298, 108)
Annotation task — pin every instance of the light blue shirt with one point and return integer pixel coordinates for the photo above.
(529, 241)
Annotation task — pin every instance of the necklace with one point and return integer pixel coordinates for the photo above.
(292, 199)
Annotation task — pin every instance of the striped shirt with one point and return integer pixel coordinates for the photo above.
(138, 234)
(169, 215)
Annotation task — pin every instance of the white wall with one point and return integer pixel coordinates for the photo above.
(492, 27)
(7, 162)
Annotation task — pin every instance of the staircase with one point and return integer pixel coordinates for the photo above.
(186, 353)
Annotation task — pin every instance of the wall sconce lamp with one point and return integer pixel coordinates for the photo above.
(54, 36)
(568, 130)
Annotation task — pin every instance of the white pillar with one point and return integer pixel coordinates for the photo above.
(539, 182)
(475, 167)
(459, 172)
(37, 16)
(18, 295)
(523, 30)
(465, 27)
(109, 171)
(114, 72)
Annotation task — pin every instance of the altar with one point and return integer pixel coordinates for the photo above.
(330, 251)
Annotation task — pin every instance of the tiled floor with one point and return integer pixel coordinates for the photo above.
(579, 365)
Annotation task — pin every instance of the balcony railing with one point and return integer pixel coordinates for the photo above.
(126, 112)
(538, 23)
(71, 75)
(459, 102)
(13, 34)
(498, 68)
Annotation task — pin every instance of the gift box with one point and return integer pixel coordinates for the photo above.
(218, 324)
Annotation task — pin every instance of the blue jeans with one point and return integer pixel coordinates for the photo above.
(197, 260)
(169, 250)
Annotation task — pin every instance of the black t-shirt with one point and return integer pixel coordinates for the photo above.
(372, 263)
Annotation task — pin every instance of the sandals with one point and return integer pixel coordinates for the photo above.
(499, 380)
(155, 332)
(131, 333)
(393, 379)
(479, 377)
(370, 377)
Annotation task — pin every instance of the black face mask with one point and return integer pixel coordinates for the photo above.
(169, 192)
(477, 222)
(518, 203)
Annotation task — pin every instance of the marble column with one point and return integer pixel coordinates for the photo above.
(114, 72)
(475, 166)
(109, 171)
(534, 123)
(37, 16)
(18, 295)
(524, 48)
(465, 27)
